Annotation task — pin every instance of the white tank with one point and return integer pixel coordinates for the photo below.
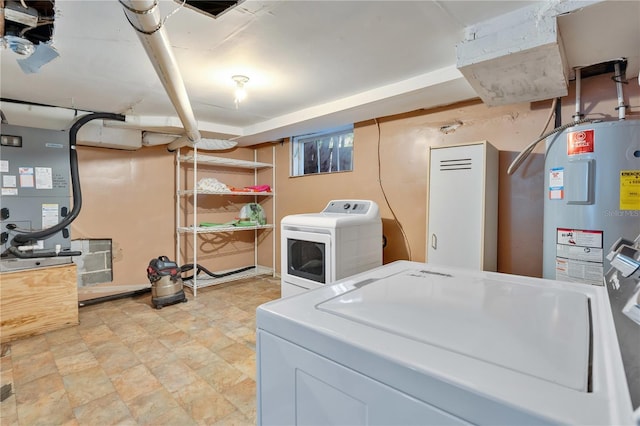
(592, 185)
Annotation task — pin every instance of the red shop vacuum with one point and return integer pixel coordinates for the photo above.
(166, 282)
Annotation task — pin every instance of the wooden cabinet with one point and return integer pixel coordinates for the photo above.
(462, 224)
(34, 301)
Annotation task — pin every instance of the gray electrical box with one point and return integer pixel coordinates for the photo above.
(36, 184)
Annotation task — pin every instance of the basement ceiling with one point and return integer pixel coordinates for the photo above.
(311, 64)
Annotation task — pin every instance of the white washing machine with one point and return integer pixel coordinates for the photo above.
(319, 248)
(412, 343)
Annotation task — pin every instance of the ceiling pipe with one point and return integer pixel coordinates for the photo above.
(578, 115)
(618, 79)
(144, 17)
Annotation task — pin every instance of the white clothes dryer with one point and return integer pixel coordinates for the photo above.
(319, 248)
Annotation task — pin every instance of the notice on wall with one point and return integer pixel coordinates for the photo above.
(579, 256)
(556, 183)
(4, 166)
(49, 215)
(630, 190)
(9, 181)
(44, 178)
(581, 142)
(26, 177)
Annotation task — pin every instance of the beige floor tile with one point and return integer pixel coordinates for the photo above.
(175, 339)
(246, 365)
(237, 418)
(195, 355)
(6, 365)
(43, 401)
(152, 353)
(64, 335)
(134, 382)
(158, 326)
(96, 335)
(129, 364)
(219, 343)
(8, 410)
(28, 346)
(32, 391)
(243, 335)
(88, 319)
(103, 411)
(243, 396)
(115, 357)
(130, 333)
(221, 375)
(87, 385)
(146, 408)
(175, 416)
(174, 375)
(33, 366)
(235, 352)
(203, 403)
(74, 363)
(68, 348)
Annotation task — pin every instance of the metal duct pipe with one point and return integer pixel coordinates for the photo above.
(622, 108)
(578, 114)
(144, 17)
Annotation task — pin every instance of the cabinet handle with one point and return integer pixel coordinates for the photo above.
(434, 241)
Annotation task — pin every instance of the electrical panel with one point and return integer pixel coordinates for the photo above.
(36, 184)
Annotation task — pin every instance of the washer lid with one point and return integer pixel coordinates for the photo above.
(536, 330)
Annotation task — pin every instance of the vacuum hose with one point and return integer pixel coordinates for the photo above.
(189, 266)
(23, 238)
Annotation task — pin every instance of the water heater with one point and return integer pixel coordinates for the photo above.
(592, 184)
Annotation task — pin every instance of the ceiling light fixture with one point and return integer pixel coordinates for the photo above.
(240, 92)
(20, 45)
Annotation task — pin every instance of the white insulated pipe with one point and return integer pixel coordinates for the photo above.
(144, 17)
(618, 79)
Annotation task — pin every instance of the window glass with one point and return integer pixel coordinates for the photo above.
(325, 152)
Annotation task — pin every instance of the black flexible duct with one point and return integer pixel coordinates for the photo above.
(189, 266)
(75, 179)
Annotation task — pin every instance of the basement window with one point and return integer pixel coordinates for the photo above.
(329, 151)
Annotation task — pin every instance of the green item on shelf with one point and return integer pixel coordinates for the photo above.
(246, 223)
(212, 224)
(252, 212)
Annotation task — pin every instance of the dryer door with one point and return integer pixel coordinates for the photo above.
(306, 258)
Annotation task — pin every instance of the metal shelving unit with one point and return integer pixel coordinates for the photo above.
(196, 231)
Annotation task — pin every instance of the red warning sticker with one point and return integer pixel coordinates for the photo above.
(581, 142)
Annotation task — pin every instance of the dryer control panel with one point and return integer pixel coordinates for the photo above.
(348, 207)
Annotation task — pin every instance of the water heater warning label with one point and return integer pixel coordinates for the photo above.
(579, 256)
(556, 183)
(630, 190)
(581, 142)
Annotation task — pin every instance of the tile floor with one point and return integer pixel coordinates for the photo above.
(127, 363)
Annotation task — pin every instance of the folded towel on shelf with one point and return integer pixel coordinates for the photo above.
(212, 185)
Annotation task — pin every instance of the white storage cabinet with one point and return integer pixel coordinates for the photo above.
(195, 231)
(462, 224)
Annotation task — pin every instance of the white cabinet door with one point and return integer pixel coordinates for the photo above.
(459, 206)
